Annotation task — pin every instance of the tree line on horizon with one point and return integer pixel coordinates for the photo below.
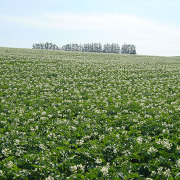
(89, 47)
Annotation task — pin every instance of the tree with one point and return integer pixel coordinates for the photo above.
(106, 48)
(89, 47)
(46, 46)
(128, 49)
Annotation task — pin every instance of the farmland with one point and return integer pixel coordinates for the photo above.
(74, 115)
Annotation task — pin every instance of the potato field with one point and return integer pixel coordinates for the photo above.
(75, 115)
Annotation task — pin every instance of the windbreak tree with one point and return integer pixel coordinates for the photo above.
(107, 48)
(89, 47)
(111, 48)
(115, 48)
(128, 49)
(46, 46)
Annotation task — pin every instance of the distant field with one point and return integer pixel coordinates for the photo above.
(70, 115)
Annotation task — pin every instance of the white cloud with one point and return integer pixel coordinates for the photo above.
(149, 36)
(101, 22)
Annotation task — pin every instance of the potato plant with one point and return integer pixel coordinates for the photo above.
(74, 115)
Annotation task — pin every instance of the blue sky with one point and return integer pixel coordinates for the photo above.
(152, 26)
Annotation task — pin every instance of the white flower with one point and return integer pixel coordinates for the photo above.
(160, 170)
(104, 170)
(6, 151)
(178, 163)
(152, 150)
(17, 141)
(43, 113)
(81, 167)
(49, 178)
(73, 168)
(42, 146)
(10, 164)
(1, 172)
(76, 167)
(80, 142)
(115, 150)
(165, 131)
(73, 128)
(117, 136)
(98, 161)
(153, 173)
(167, 172)
(50, 115)
(101, 137)
(165, 143)
(139, 139)
(110, 129)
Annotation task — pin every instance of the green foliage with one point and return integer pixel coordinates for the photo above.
(74, 115)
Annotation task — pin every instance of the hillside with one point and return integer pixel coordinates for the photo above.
(74, 115)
